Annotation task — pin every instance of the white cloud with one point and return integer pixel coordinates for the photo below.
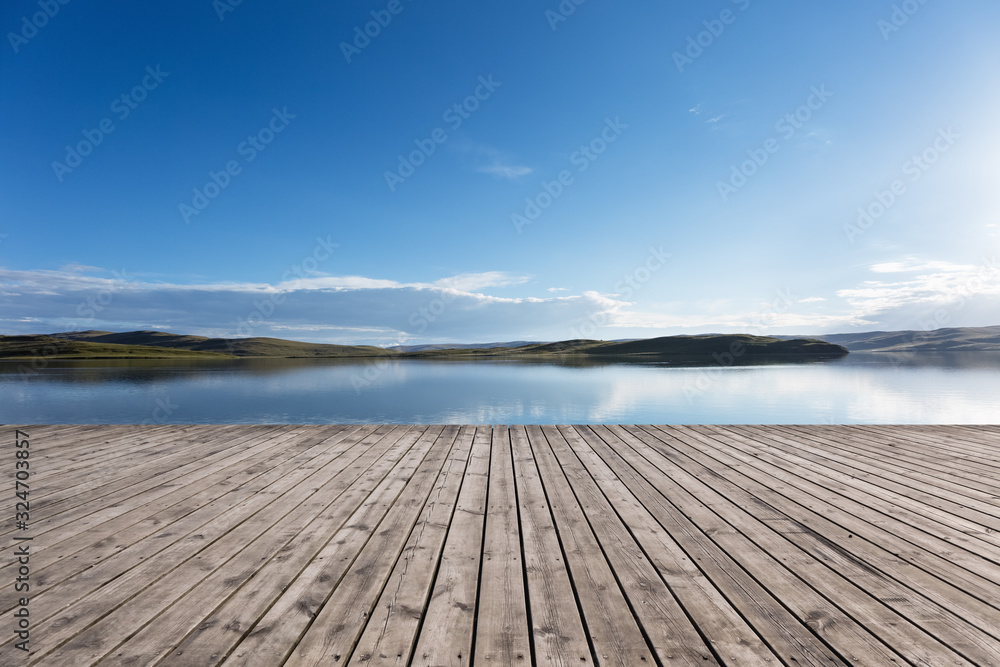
(461, 308)
(912, 265)
(509, 172)
(489, 160)
(467, 282)
(947, 283)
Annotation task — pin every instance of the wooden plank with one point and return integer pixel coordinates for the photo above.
(155, 479)
(59, 567)
(614, 633)
(730, 636)
(952, 472)
(756, 600)
(946, 542)
(339, 623)
(846, 596)
(664, 622)
(556, 626)
(160, 636)
(972, 536)
(916, 471)
(830, 533)
(221, 629)
(272, 640)
(807, 545)
(502, 636)
(391, 632)
(79, 550)
(447, 630)
(815, 613)
(217, 540)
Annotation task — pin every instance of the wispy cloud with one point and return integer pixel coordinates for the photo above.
(912, 265)
(468, 282)
(937, 283)
(489, 160)
(467, 307)
(509, 172)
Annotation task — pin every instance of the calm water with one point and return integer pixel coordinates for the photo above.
(861, 388)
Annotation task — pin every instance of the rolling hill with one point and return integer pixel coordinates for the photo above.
(158, 344)
(955, 339)
(26, 347)
(236, 347)
(726, 346)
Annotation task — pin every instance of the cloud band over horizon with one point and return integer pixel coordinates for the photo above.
(478, 307)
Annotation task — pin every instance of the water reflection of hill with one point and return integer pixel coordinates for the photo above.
(141, 371)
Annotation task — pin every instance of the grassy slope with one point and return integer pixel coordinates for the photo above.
(976, 339)
(685, 346)
(27, 347)
(239, 347)
(155, 344)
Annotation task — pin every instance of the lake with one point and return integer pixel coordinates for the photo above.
(938, 388)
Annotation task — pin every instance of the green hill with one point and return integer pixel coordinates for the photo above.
(26, 347)
(740, 346)
(236, 347)
(161, 345)
(954, 339)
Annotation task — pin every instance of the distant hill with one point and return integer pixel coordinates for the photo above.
(959, 339)
(237, 347)
(24, 347)
(740, 346)
(458, 346)
(158, 344)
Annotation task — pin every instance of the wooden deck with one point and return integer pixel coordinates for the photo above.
(569, 545)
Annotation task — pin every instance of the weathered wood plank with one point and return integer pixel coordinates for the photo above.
(447, 630)
(428, 546)
(502, 636)
(392, 627)
(556, 626)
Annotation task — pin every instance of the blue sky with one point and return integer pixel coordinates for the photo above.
(476, 172)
